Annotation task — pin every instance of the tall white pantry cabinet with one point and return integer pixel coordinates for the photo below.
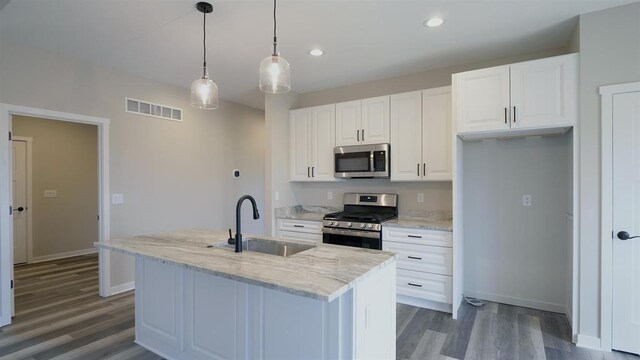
(529, 113)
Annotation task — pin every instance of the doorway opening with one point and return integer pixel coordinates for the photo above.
(74, 214)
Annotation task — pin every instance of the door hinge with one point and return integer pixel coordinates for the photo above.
(12, 284)
(9, 135)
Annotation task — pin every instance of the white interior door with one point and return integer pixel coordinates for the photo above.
(626, 222)
(19, 202)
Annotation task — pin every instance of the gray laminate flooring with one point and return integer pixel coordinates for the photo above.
(494, 331)
(59, 315)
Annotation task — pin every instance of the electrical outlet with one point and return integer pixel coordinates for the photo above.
(117, 199)
(276, 196)
(329, 195)
(420, 197)
(50, 193)
(526, 200)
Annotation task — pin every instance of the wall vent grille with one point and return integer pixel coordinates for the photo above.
(146, 108)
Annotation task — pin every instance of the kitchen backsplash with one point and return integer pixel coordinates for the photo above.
(437, 196)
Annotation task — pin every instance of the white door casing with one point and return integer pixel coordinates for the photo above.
(626, 218)
(20, 225)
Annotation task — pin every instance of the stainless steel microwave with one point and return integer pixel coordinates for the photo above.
(362, 161)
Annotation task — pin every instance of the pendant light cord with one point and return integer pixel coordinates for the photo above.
(275, 24)
(204, 44)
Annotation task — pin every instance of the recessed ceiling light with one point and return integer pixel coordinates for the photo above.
(316, 52)
(434, 22)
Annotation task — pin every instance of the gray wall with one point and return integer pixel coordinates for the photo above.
(173, 175)
(511, 251)
(65, 159)
(609, 54)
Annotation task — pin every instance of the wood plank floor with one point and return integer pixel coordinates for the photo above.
(59, 315)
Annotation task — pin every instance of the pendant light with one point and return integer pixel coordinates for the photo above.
(275, 73)
(204, 92)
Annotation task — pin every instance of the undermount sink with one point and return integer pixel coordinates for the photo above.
(271, 247)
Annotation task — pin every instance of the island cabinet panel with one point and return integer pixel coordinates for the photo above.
(159, 301)
(188, 314)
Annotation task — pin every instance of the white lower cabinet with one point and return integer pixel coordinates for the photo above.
(301, 230)
(425, 266)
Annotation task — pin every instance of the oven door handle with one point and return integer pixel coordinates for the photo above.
(357, 233)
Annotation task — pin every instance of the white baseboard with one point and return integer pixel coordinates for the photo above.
(533, 304)
(588, 342)
(427, 304)
(114, 290)
(37, 259)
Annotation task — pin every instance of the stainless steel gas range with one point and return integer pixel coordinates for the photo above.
(360, 222)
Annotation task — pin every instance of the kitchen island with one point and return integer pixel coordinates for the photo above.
(199, 302)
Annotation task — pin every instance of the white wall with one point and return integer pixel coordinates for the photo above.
(609, 54)
(173, 175)
(512, 252)
(277, 155)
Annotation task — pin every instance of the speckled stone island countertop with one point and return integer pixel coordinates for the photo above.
(425, 220)
(303, 212)
(324, 272)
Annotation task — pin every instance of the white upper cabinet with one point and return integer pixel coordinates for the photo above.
(362, 121)
(311, 143)
(436, 134)
(482, 99)
(299, 144)
(323, 137)
(348, 121)
(528, 98)
(543, 92)
(375, 120)
(406, 136)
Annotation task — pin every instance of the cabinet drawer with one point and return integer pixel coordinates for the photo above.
(431, 259)
(417, 237)
(425, 286)
(300, 236)
(313, 227)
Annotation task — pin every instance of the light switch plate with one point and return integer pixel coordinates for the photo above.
(117, 199)
(526, 200)
(329, 195)
(420, 197)
(276, 196)
(50, 193)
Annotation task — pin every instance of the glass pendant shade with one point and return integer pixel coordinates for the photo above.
(275, 75)
(204, 93)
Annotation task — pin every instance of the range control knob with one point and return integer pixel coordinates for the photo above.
(349, 224)
(369, 226)
(363, 225)
(335, 223)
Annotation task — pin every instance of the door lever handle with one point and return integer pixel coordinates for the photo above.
(623, 235)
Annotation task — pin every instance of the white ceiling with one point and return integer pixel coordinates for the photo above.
(363, 40)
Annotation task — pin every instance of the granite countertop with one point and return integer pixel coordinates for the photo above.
(323, 273)
(302, 212)
(427, 220)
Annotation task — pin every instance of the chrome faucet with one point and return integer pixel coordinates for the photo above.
(256, 216)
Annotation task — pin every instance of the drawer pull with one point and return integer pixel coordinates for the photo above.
(416, 285)
(415, 236)
(301, 226)
(414, 257)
